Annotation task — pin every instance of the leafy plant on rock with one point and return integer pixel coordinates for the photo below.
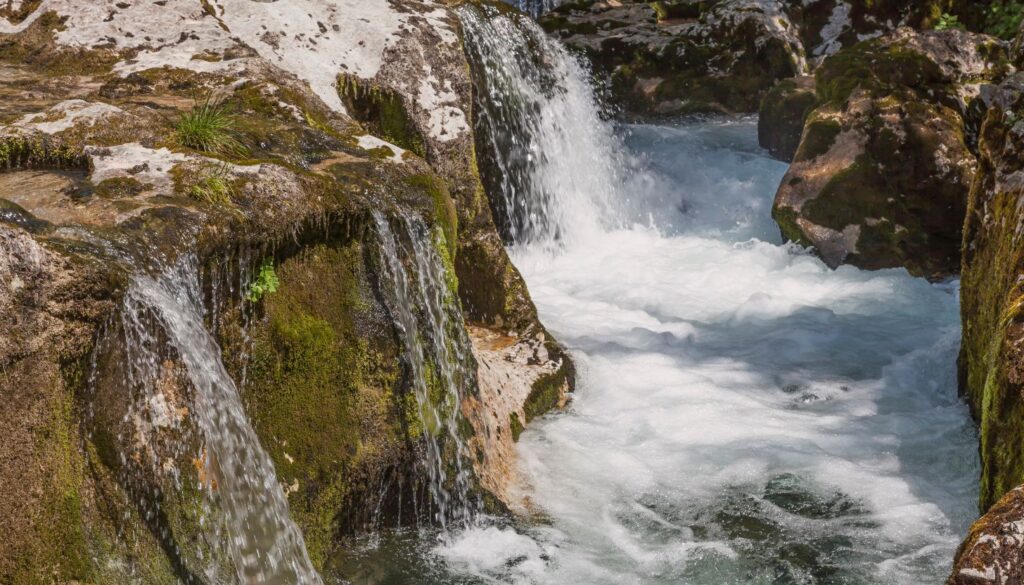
(266, 282)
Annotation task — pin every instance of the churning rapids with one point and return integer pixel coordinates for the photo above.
(744, 414)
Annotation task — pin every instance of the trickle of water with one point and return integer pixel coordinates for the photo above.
(265, 544)
(555, 185)
(427, 315)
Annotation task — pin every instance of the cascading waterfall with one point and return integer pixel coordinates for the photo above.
(265, 544)
(541, 125)
(429, 320)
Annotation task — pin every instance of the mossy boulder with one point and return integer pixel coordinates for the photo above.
(784, 110)
(991, 360)
(881, 176)
(671, 58)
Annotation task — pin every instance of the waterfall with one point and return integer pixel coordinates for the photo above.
(265, 544)
(535, 7)
(427, 315)
(546, 154)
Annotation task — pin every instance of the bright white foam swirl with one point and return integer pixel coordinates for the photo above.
(744, 414)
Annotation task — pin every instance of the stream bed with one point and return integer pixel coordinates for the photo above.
(744, 414)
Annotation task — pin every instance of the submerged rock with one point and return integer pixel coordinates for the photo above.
(883, 169)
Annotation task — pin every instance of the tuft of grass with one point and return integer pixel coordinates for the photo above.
(266, 282)
(209, 127)
(214, 185)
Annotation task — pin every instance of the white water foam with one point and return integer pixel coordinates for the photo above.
(744, 414)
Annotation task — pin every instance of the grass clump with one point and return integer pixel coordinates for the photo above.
(266, 282)
(214, 185)
(209, 127)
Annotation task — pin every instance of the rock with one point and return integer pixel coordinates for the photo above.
(519, 380)
(338, 109)
(992, 358)
(884, 166)
(826, 26)
(683, 57)
(994, 549)
(784, 110)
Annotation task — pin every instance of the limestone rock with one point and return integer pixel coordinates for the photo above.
(784, 110)
(994, 549)
(883, 169)
(683, 57)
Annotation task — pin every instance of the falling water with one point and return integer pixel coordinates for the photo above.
(535, 7)
(537, 115)
(265, 544)
(428, 317)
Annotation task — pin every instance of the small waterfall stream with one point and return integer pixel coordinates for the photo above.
(427, 316)
(538, 116)
(264, 543)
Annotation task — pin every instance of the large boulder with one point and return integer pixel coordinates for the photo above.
(670, 58)
(992, 354)
(884, 166)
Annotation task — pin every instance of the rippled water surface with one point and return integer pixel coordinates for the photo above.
(744, 414)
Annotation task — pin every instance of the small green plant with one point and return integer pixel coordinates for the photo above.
(214, 184)
(209, 127)
(266, 282)
(1002, 19)
(948, 22)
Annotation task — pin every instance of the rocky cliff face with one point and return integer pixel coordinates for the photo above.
(990, 295)
(886, 159)
(253, 142)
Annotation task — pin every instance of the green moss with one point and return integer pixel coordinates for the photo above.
(445, 213)
(877, 69)
(819, 136)
(786, 218)
(59, 550)
(547, 392)
(382, 111)
(991, 361)
(515, 425)
(322, 392)
(39, 152)
(119, 187)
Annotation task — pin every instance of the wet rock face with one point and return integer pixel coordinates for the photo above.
(784, 110)
(329, 122)
(669, 58)
(992, 552)
(991, 359)
(881, 176)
